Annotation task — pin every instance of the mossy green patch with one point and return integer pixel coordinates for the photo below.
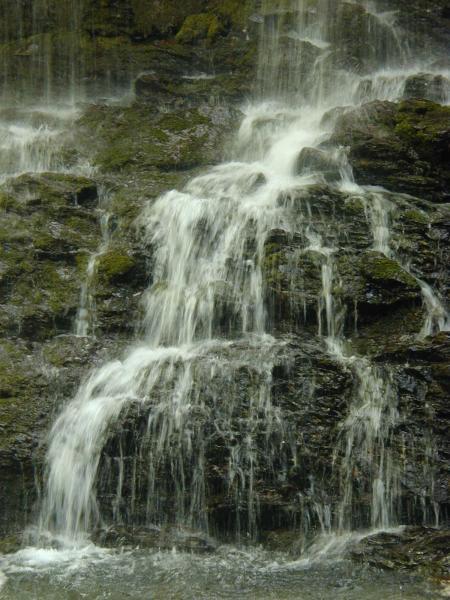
(274, 259)
(7, 202)
(114, 266)
(234, 13)
(380, 268)
(421, 123)
(179, 122)
(203, 26)
(419, 217)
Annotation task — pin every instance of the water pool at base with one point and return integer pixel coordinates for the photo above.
(93, 574)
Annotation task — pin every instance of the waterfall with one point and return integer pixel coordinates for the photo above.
(199, 381)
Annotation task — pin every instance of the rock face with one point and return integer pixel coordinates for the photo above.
(426, 86)
(415, 548)
(404, 147)
(100, 47)
(426, 22)
(71, 242)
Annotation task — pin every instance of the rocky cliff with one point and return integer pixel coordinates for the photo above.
(184, 71)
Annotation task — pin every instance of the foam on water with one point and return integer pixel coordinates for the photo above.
(228, 573)
(39, 559)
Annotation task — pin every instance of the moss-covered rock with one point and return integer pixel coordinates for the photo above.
(385, 271)
(134, 139)
(47, 223)
(53, 190)
(199, 27)
(114, 266)
(404, 147)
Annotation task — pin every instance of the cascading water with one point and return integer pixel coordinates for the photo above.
(206, 329)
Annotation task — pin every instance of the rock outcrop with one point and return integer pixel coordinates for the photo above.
(404, 147)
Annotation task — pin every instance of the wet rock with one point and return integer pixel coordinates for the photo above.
(290, 76)
(423, 384)
(36, 379)
(48, 226)
(107, 47)
(148, 85)
(425, 22)
(120, 279)
(427, 86)
(56, 188)
(10, 544)
(161, 538)
(284, 541)
(386, 281)
(136, 139)
(199, 27)
(352, 23)
(433, 349)
(403, 147)
(367, 286)
(139, 19)
(215, 427)
(414, 548)
(313, 160)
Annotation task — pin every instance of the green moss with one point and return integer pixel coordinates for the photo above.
(354, 206)
(7, 202)
(53, 286)
(44, 241)
(12, 380)
(421, 122)
(381, 268)
(199, 27)
(10, 544)
(234, 12)
(416, 216)
(114, 266)
(125, 207)
(157, 17)
(81, 261)
(177, 123)
(83, 228)
(53, 190)
(116, 157)
(274, 259)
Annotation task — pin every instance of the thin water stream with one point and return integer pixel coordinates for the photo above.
(85, 321)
